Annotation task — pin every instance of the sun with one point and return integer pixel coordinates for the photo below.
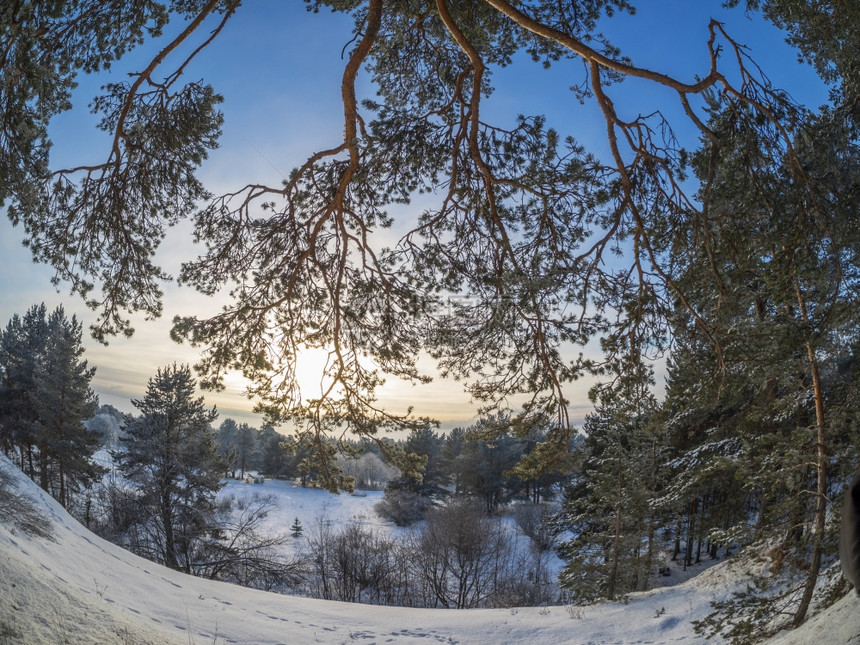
(312, 371)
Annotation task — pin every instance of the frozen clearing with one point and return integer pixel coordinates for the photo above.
(77, 588)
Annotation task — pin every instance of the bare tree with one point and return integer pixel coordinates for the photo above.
(461, 554)
(246, 552)
(356, 564)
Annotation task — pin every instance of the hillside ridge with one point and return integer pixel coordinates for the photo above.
(75, 587)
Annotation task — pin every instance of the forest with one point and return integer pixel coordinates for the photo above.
(700, 476)
(697, 266)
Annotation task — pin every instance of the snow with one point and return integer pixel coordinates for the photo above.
(312, 506)
(78, 588)
(309, 505)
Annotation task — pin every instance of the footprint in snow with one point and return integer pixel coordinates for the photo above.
(421, 634)
(270, 617)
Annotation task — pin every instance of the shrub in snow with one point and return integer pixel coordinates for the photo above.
(403, 507)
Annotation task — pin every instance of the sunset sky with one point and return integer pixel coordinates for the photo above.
(279, 71)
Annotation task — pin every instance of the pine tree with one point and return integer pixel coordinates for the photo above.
(170, 455)
(44, 399)
(64, 402)
(225, 441)
(453, 458)
(276, 461)
(296, 529)
(486, 460)
(428, 443)
(23, 345)
(612, 509)
(247, 448)
(239, 444)
(775, 296)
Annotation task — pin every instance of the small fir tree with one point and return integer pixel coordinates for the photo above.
(296, 529)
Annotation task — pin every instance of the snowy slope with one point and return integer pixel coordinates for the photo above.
(77, 588)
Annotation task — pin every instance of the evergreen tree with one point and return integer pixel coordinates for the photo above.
(296, 529)
(23, 347)
(705, 489)
(225, 441)
(775, 297)
(612, 509)
(44, 399)
(65, 400)
(170, 455)
(453, 458)
(538, 474)
(275, 459)
(427, 443)
(482, 458)
(316, 464)
(247, 448)
(494, 460)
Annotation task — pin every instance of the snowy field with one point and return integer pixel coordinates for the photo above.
(309, 505)
(312, 506)
(77, 588)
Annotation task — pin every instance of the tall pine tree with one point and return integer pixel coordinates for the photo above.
(64, 401)
(170, 455)
(611, 509)
(21, 352)
(45, 397)
(771, 284)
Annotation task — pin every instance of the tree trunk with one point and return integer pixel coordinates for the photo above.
(61, 458)
(821, 465)
(691, 528)
(677, 550)
(170, 558)
(63, 501)
(616, 549)
(821, 488)
(43, 467)
(652, 520)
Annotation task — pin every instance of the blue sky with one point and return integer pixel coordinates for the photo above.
(278, 68)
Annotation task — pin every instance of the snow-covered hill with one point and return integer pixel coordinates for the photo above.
(76, 588)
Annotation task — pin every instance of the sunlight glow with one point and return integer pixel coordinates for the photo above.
(311, 377)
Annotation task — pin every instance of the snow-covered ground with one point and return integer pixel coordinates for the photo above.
(77, 588)
(309, 505)
(312, 505)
